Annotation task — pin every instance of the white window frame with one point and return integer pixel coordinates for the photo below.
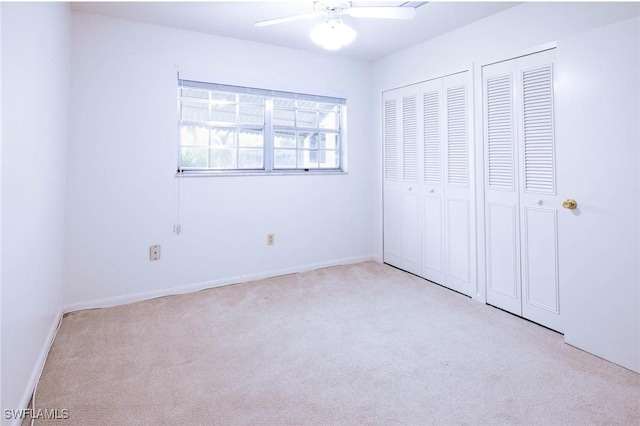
(269, 128)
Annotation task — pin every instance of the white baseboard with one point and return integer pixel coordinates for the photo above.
(190, 288)
(38, 367)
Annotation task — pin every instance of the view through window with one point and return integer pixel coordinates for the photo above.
(239, 129)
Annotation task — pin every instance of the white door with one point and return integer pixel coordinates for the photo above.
(448, 217)
(458, 181)
(598, 111)
(410, 189)
(521, 201)
(502, 192)
(401, 190)
(433, 230)
(428, 182)
(539, 200)
(392, 201)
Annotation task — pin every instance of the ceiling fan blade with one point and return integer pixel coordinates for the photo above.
(286, 19)
(382, 12)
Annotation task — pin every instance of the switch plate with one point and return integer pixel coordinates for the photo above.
(271, 239)
(154, 252)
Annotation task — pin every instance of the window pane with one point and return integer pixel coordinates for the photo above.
(307, 159)
(285, 140)
(284, 117)
(194, 111)
(251, 99)
(307, 140)
(306, 119)
(223, 158)
(284, 158)
(194, 157)
(226, 97)
(250, 138)
(192, 135)
(307, 104)
(221, 137)
(329, 120)
(328, 107)
(222, 112)
(328, 159)
(250, 159)
(284, 103)
(194, 93)
(329, 140)
(251, 114)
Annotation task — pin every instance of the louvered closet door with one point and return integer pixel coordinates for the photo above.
(502, 193)
(410, 188)
(433, 231)
(392, 202)
(539, 201)
(521, 203)
(401, 133)
(458, 182)
(428, 181)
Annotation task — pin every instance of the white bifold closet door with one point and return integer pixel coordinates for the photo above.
(428, 214)
(448, 232)
(401, 190)
(521, 201)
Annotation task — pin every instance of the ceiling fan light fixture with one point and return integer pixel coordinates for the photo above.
(333, 34)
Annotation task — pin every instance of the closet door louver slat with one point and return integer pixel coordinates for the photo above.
(390, 139)
(409, 139)
(538, 132)
(499, 132)
(457, 151)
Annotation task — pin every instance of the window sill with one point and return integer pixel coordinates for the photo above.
(190, 174)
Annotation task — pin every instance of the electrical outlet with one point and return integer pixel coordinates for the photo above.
(154, 252)
(271, 239)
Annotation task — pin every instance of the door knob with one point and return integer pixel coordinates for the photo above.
(538, 202)
(569, 204)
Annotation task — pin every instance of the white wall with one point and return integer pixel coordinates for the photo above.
(504, 33)
(1, 381)
(507, 34)
(122, 160)
(35, 77)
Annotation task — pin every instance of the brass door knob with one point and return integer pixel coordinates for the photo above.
(569, 204)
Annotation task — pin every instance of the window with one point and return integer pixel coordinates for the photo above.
(236, 129)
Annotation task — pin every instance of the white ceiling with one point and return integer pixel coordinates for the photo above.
(376, 37)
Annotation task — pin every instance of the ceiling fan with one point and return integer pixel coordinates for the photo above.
(333, 33)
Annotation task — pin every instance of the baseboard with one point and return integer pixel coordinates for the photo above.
(38, 367)
(190, 288)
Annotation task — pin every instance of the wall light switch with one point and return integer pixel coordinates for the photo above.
(271, 239)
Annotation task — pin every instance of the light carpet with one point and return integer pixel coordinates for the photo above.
(356, 344)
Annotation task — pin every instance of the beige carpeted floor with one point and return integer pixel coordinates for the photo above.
(357, 344)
